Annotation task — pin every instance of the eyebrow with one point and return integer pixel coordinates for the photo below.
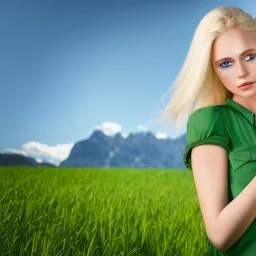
(227, 58)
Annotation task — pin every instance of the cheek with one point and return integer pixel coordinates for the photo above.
(225, 77)
(252, 67)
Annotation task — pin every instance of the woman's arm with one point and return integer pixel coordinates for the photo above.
(225, 222)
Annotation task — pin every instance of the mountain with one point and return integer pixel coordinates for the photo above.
(12, 159)
(138, 150)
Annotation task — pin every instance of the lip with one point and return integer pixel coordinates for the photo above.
(245, 83)
(246, 86)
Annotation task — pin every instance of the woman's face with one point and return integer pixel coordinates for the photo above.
(234, 61)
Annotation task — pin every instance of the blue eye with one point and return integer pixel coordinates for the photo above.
(252, 55)
(229, 61)
(224, 62)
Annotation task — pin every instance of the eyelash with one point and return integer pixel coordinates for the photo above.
(229, 61)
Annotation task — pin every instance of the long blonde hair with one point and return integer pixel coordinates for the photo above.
(197, 85)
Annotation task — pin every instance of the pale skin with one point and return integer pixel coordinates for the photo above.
(226, 222)
(240, 67)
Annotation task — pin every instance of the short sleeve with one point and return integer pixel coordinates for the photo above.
(205, 126)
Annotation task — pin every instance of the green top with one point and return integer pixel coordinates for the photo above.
(231, 126)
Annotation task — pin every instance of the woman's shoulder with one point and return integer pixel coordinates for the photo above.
(206, 113)
(205, 126)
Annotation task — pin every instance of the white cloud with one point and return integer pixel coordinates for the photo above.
(43, 152)
(160, 135)
(142, 128)
(15, 151)
(109, 128)
(39, 160)
(125, 134)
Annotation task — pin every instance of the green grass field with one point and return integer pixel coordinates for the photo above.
(99, 212)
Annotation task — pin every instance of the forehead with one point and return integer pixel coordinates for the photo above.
(224, 46)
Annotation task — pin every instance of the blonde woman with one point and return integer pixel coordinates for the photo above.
(216, 93)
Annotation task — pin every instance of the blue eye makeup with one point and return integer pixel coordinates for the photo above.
(225, 66)
(223, 63)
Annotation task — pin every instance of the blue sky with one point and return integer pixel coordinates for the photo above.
(69, 67)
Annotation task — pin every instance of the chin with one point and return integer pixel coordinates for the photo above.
(245, 95)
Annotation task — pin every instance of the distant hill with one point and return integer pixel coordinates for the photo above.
(12, 159)
(138, 150)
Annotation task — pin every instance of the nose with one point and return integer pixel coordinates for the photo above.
(242, 72)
